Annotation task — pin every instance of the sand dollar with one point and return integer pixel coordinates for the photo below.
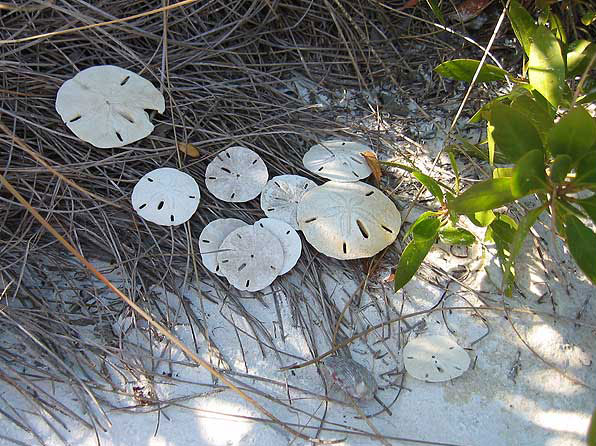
(289, 239)
(435, 358)
(338, 160)
(281, 196)
(211, 238)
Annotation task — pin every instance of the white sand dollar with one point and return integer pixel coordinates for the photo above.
(351, 377)
(281, 196)
(105, 105)
(348, 220)
(338, 160)
(289, 239)
(166, 196)
(435, 358)
(236, 175)
(250, 258)
(211, 238)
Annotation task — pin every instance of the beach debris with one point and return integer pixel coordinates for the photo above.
(105, 105)
(166, 196)
(281, 195)
(435, 358)
(338, 160)
(236, 175)
(351, 377)
(348, 220)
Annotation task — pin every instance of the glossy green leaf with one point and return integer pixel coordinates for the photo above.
(514, 133)
(522, 23)
(425, 227)
(589, 206)
(456, 236)
(464, 69)
(582, 245)
(517, 241)
(573, 135)
(483, 196)
(432, 186)
(592, 425)
(535, 112)
(560, 167)
(579, 54)
(588, 18)
(585, 172)
(482, 218)
(557, 26)
(546, 66)
(503, 172)
(500, 232)
(529, 175)
(455, 169)
(410, 261)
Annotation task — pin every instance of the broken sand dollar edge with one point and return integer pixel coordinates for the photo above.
(211, 238)
(435, 358)
(289, 239)
(338, 160)
(105, 105)
(166, 196)
(236, 175)
(348, 220)
(281, 195)
(250, 258)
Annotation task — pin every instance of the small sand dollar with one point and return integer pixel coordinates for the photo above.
(211, 238)
(105, 105)
(351, 377)
(289, 239)
(236, 175)
(281, 196)
(251, 258)
(338, 160)
(435, 358)
(348, 220)
(166, 196)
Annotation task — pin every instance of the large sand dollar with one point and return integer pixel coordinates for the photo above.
(338, 160)
(281, 196)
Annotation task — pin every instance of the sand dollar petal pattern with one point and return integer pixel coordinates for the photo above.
(211, 238)
(281, 196)
(338, 160)
(435, 358)
(289, 239)
(236, 175)
(166, 196)
(105, 105)
(348, 220)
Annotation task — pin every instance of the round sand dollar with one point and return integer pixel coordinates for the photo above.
(435, 358)
(289, 239)
(211, 238)
(236, 175)
(338, 160)
(166, 196)
(281, 196)
(351, 377)
(105, 105)
(348, 220)
(250, 258)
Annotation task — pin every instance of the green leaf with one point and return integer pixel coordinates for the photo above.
(432, 186)
(560, 167)
(546, 67)
(453, 163)
(425, 227)
(585, 171)
(503, 172)
(456, 236)
(588, 18)
(410, 261)
(482, 218)
(579, 54)
(556, 25)
(589, 206)
(582, 245)
(592, 426)
(464, 69)
(535, 112)
(529, 175)
(436, 9)
(523, 228)
(483, 196)
(501, 232)
(514, 134)
(490, 138)
(522, 23)
(573, 135)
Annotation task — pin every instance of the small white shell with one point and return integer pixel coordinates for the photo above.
(338, 160)
(105, 105)
(211, 238)
(250, 258)
(348, 220)
(166, 196)
(435, 358)
(351, 377)
(236, 175)
(281, 196)
(289, 239)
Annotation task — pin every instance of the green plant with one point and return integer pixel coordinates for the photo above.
(542, 130)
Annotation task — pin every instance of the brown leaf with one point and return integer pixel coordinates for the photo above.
(189, 149)
(373, 163)
(470, 9)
